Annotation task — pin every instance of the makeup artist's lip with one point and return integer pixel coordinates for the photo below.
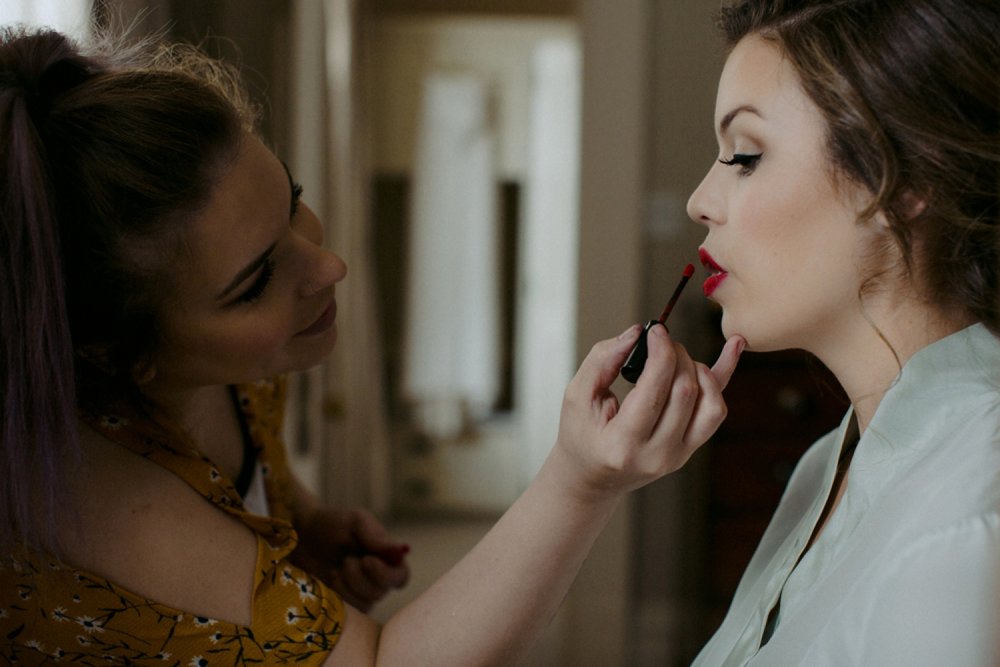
(323, 322)
(718, 273)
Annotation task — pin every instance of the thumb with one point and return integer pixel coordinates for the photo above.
(601, 366)
(370, 532)
(372, 536)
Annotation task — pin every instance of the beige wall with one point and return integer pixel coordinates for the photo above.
(616, 66)
(407, 47)
(686, 62)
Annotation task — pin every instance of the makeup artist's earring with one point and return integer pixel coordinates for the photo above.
(96, 356)
(143, 372)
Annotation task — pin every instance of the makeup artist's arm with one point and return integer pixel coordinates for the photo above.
(497, 600)
(348, 549)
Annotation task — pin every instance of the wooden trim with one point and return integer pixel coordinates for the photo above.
(613, 175)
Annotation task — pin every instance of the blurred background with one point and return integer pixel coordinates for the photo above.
(507, 182)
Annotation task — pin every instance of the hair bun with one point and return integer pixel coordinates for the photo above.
(44, 65)
(59, 78)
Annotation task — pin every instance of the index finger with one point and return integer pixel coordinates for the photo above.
(600, 367)
(725, 365)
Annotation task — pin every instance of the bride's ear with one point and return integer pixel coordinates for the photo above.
(913, 204)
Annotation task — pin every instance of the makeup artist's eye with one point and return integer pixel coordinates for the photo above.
(256, 290)
(747, 162)
(296, 197)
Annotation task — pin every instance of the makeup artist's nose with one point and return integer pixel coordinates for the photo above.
(320, 267)
(309, 225)
(705, 203)
(327, 270)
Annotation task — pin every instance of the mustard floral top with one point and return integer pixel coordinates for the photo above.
(53, 613)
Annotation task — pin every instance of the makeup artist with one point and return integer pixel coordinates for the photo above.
(159, 274)
(854, 212)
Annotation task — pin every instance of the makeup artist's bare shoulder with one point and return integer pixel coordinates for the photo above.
(143, 528)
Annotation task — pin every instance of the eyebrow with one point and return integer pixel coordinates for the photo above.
(247, 271)
(729, 117)
(255, 265)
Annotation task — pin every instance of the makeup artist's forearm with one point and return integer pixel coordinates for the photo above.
(497, 601)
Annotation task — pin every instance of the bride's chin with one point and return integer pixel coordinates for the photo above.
(728, 326)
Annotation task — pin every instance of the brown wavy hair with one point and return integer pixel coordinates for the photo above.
(910, 92)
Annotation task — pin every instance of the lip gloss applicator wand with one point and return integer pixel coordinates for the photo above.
(637, 358)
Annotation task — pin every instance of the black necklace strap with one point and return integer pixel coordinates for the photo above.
(242, 482)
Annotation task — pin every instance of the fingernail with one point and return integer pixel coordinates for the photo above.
(740, 346)
(659, 330)
(628, 332)
(395, 555)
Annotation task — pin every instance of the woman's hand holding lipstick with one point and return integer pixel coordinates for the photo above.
(350, 551)
(676, 405)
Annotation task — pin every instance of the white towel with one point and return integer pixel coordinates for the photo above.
(549, 245)
(451, 350)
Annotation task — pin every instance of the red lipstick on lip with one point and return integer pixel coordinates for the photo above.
(718, 273)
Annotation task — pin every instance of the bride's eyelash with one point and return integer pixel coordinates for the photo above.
(256, 290)
(745, 161)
